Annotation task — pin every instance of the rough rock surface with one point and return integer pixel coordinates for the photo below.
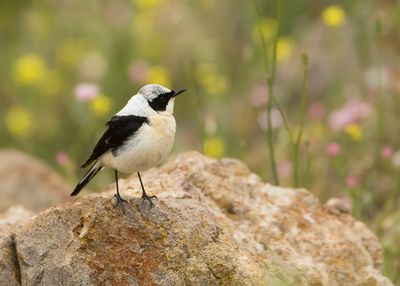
(215, 223)
(27, 181)
(9, 268)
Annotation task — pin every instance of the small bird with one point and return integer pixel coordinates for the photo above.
(138, 137)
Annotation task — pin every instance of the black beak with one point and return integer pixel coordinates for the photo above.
(178, 91)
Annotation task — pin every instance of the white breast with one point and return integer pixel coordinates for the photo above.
(148, 148)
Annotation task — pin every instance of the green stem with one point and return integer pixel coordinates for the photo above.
(270, 141)
(262, 38)
(271, 148)
(271, 78)
(303, 106)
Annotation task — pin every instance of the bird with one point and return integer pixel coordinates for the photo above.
(138, 137)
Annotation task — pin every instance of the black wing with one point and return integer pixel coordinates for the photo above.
(120, 128)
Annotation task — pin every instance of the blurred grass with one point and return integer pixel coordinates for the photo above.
(67, 66)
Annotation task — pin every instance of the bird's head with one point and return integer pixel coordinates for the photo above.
(159, 98)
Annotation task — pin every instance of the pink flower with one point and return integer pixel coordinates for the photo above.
(386, 152)
(62, 158)
(352, 111)
(333, 149)
(138, 72)
(85, 92)
(352, 181)
(259, 95)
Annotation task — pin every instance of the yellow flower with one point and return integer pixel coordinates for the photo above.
(268, 29)
(212, 81)
(213, 147)
(333, 16)
(29, 70)
(149, 4)
(354, 131)
(159, 74)
(100, 105)
(284, 48)
(18, 121)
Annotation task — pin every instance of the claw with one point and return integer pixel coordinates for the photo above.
(145, 197)
(120, 201)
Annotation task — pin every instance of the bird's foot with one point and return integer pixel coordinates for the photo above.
(145, 197)
(120, 201)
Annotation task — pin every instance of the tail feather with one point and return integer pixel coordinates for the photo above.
(87, 177)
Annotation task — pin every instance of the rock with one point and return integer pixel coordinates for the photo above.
(14, 216)
(9, 265)
(9, 269)
(215, 223)
(27, 181)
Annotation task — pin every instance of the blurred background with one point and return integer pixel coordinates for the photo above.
(67, 66)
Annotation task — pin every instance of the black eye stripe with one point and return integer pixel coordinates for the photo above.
(161, 101)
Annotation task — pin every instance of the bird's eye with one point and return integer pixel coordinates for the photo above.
(163, 98)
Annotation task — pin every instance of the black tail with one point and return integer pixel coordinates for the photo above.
(86, 178)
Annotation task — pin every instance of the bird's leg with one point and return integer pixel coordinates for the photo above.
(118, 197)
(144, 194)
